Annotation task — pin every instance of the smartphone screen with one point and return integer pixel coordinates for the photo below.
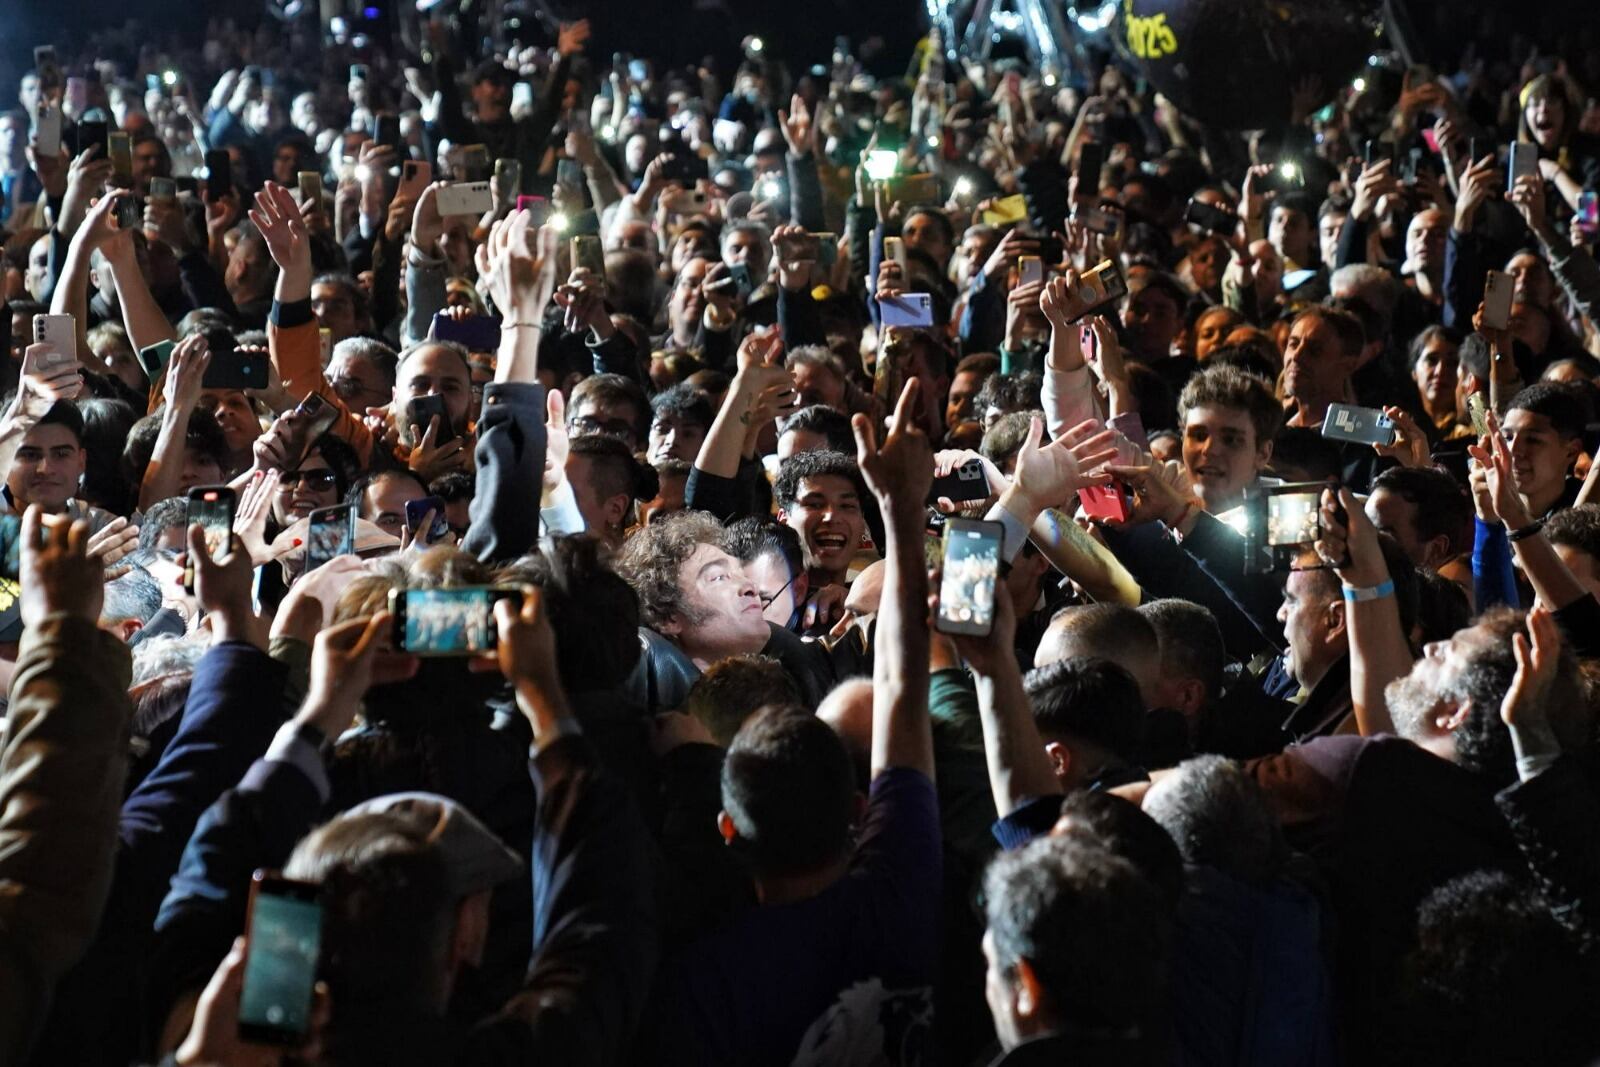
(280, 971)
(447, 622)
(588, 255)
(1589, 213)
(330, 532)
(1293, 518)
(971, 571)
(211, 506)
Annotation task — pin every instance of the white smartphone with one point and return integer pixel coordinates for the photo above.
(1497, 289)
(57, 331)
(47, 131)
(1030, 269)
(895, 248)
(465, 198)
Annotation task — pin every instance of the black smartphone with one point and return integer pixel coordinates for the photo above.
(966, 482)
(475, 333)
(420, 410)
(128, 210)
(284, 934)
(212, 506)
(448, 622)
(386, 130)
(90, 134)
(417, 511)
(1281, 521)
(231, 368)
(330, 532)
(1091, 161)
(1210, 217)
(971, 573)
(219, 174)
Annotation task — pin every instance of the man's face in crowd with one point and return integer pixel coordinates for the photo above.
(435, 370)
(817, 384)
(1152, 321)
(1531, 278)
(1539, 457)
(38, 268)
(674, 437)
(1221, 452)
(742, 246)
(723, 613)
(1207, 262)
(793, 442)
(28, 91)
(47, 467)
(1418, 700)
(975, 249)
(958, 407)
(780, 590)
(302, 492)
(358, 381)
(146, 164)
(335, 309)
(1425, 239)
(1530, 325)
(687, 246)
(601, 514)
(286, 166)
(1315, 367)
(827, 515)
(923, 232)
(688, 302)
(594, 415)
(1308, 617)
(1329, 227)
(1269, 267)
(13, 136)
(1290, 233)
(1583, 566)
(235, 414)
(384, 500)
(492, 99)
(1396, 516)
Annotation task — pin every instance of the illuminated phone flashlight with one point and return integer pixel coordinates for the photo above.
(559, 222)
(363, 172)
(882, 163)
(609, 132)
(1289, 170)
(933, 140)
(963, 188)
(756, 44)
(169, 78)
(1049, 79)
(1359, 85)
(770, 188)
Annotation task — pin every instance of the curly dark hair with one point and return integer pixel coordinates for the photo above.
(802, 465)
(652, 558)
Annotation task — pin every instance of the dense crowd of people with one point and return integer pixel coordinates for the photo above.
(1260, 730)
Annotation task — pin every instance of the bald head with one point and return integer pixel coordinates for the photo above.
(1105, 631)
(848, 710)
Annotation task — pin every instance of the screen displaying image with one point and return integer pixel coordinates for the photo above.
(1292, 519)
(214, 513)
(971, 567)
(450, 621)
(281, 969)
(329, 535)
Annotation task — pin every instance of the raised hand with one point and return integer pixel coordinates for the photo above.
(58, 576)
(1410, 448)
(798, 129)
(431, 459)
(113, 542)
(1538, 659)
(1377, 180)
(557, 444)
(186, 373)
(223, 587)
(527, 658)
(1161, 492)
(1046, 477)
(1349, 542)
(282, 226)
(46, 379)
(572, 36)
(900, 470)
(1494, 458)
(345, 661)
(1480, 181)
(250, 517)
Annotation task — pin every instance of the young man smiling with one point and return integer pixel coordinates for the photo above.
(1544, 426)
(820, 498)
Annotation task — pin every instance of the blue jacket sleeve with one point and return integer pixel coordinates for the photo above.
(1493, 580)
(235, 704)
(510, 455)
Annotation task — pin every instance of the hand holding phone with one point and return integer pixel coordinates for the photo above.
(970, 575)
(284, 943)
(448, 622)
(330, 533)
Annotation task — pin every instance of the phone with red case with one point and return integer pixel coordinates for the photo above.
(1108, 503)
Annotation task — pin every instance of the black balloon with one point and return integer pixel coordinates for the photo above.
(1234, 63)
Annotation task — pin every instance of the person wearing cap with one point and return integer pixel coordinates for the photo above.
(406, 881)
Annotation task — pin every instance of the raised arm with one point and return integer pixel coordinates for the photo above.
(181, 392)
(759, 382)
(518, 263)
(62, 763)
(1380, 651)
(1552, 580)
(71, 297)
(899, 473)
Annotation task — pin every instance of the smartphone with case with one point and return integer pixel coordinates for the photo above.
(163, 190)
(966, 482)
(1498, 287)
(233, 368)
(47, 131)
(119, 148)
(330, 533)
(912, 310)
(1478, 411)
(894, 248)
(154, 358)
(536, 206)
(507, 179)
(448, 622)
(1030, 270)
(415, 176)
(476, 162)
(284, 945)
(465, 198)
(386, 130)
(1588, 214)
(417, 511)
(1091, 161)
(212, 506)
(475, 333)
(1523, 161)
(310, 183)
(970, 576)
(420, 411)
(1107, 503)
(1006, 210)
(587, 254)
(219, 174)
(58, 331)
(1100, 285)
(1210, 218)
(743, 281)
(1366, 426)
